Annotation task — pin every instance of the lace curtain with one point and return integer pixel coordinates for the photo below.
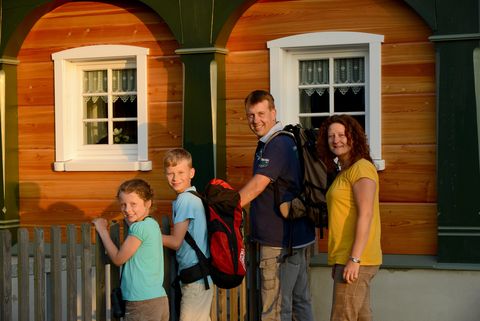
(123, 80)
(346, 71)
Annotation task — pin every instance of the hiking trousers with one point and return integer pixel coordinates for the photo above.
(284, 284)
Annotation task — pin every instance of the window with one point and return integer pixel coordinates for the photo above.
(101, 109)
(315, 75)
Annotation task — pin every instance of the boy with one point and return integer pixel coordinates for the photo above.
(188, 215)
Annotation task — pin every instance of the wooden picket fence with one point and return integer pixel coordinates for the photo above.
(63, 274)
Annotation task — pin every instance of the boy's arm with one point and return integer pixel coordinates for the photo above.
(175, 240)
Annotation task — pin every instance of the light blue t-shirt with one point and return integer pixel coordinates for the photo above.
(142, 277)
(190, 207)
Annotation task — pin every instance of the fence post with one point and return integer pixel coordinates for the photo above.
(39, 276)
(6, 275)
(56, 270)
(114, 270)
(169, 273)
(100, 262)
(71, 273)
(86, 272)
(23, 275)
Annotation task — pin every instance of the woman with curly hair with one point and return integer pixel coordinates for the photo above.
(353, 216)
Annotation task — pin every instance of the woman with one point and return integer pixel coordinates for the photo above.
(141, 254)
(354, 216)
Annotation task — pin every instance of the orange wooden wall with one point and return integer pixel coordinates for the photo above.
(408, 184)
(72, 197)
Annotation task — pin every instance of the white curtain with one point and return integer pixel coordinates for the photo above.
(346, 71)
(94, 81)
(313, 72)
(123, 80)
(349, 71)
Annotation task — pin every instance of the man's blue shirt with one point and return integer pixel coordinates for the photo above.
(278, 160)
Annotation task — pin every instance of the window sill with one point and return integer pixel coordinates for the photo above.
(379, 164)
(101, 165)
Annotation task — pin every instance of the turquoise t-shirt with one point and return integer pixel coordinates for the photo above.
(189, 207)
(142, 277)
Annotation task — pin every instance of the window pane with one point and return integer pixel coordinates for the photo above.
(95, 81)
(125, 106)
(349, 70)
(313, 72)
(95, 107)
(312, 122)
(348, 99)
(95, 133)
(125, 132)
(124, 80)
(360, 119)
(315, 101)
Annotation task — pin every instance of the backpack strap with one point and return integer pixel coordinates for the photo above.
(276, 192)
(202, 259)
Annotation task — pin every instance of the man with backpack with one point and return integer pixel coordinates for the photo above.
(283, 242)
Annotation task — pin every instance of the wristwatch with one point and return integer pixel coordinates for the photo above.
(354, 259)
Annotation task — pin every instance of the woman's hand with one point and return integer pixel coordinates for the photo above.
(350, 273)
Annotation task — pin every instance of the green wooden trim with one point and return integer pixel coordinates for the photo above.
(9, 179)
(185, 51)
(458, 161)
(476, 72)
(8, 224)
(455, 37)
(9, 61)
(204, 96)
(459, 231)
(426, 9)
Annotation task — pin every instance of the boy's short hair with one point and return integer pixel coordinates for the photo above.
(176, 155)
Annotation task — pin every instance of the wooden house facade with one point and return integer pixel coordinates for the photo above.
(200, 59)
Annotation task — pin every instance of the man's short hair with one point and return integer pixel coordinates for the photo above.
(258, 96)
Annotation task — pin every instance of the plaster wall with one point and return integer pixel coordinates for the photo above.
(410, 295)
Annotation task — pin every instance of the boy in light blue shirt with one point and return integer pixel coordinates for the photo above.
(188, 215)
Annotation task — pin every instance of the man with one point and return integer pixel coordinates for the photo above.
(283, 243)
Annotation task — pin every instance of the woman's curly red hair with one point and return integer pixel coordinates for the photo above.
(355, 137)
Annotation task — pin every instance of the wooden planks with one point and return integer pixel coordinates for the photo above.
(48, 197)
(408, 184)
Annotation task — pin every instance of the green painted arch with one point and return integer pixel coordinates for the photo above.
(194, 23)
(19, 17)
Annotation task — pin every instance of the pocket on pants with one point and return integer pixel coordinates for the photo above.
(269, 273)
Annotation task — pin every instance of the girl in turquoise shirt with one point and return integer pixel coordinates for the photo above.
(141, 254)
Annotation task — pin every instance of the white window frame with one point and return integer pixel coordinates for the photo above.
(70, 153)
(285, 53)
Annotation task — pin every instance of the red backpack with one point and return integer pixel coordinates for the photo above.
(224, 223)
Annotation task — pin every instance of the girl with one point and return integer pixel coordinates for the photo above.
(141, 254)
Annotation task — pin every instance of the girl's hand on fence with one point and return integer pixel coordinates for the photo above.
(100, 224)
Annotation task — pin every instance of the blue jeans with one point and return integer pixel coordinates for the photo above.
(284, 286)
